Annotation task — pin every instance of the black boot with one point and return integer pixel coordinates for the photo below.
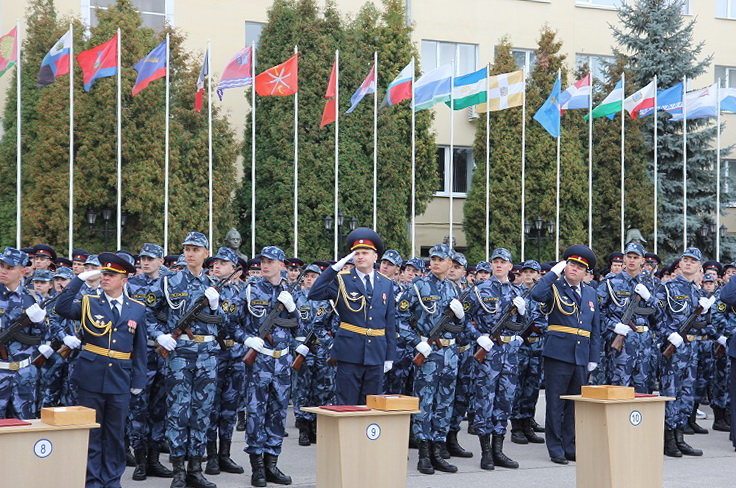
(213, 462)
(258, 478)
(273, 473)
(180, 474)
(425, 463)
(141, 459)
(692, 422)
(531, 436)
(471, 428)
(536, 427)
(240, 426)
(226, 463)
(303, 426)
(670, 447)
(129, 458)
(499, 458)
(438, 463)
(719, 422)
(155, 468)
(444, 453)
(413, 444)
(194, 474)
(684, 447)
(517, 433)
(312, 431)
(486, 457)
(454, 448)
(688, 429)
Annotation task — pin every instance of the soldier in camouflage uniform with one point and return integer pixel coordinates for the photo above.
(427, 299)
(724, 322)
(51, 373)
(396, 381)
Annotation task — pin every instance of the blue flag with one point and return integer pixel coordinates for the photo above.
(150, 68)
(668, 100)
(549, 115)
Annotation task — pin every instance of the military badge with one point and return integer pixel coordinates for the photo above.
(384, 299)
(721, 307)
(590, 304)
(132, 325)
(150, 299)
(404, 305)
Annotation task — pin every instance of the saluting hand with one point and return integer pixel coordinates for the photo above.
(341, 263)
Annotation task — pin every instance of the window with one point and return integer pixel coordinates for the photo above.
(253, 32)
(154, 13)
(597, 64)
(526, 59)
(727, 76)
(611, 4)
(463, 165)
(726, 9)
(437, 53)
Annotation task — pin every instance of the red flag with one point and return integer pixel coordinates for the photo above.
(99, 62)
(281, 80)
(200, 82)
(330, 113)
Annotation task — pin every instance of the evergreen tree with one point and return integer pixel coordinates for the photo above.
(657, 40)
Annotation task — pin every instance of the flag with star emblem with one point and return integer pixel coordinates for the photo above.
(281, 80)
(99, 62)
(8, 51)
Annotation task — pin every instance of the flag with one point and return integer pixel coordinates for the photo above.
(611, 105)
(577, 96)
(668, 100)
(504, 91)
(203, 72)
(469, 89)
(700, 104)
(549, 114)
(238, 72)
(399, 89)
(99, 62)
(281, 80)
(640, 100)
(433, 87)
(728, 100)
(56, 61)
(151, 68)
(368, 86)
(8, 51)
(330, 112)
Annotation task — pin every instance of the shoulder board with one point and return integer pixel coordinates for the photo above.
(344, 272)
(91, 296)
(137, 301)
(378, 272)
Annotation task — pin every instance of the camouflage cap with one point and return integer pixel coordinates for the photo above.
(65, 273)
(503, 253)
(392, 257)
(152, 250)
(196, 239)
(272, 252)
(226, 254)
(14, 257)
(483, 266)
(42, 275)
(693, 252)
(442, 251)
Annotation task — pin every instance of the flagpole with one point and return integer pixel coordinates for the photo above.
(557, 183)
(18, 171)
(120, 139)
(209, 140)
(590, 163)
(684, 163)
(718, 171)
(488, 164)
(166, 154)
(656, 143)
(623, 170)
(375, 141)
(337, 151)
(71, 140)
(296, 168)
(523, 166)
(452, 143)
(253, 152)
(413, 164)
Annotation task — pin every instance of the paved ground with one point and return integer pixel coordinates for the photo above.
(717, 467)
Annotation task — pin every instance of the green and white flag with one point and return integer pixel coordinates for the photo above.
(612, 103)
(470, 89)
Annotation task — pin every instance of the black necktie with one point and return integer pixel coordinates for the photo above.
(368, 286)
(115, 311)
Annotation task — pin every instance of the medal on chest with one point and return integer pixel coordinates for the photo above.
(132, 325)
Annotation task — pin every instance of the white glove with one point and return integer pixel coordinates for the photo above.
(721, 340)
(559, 267)
(47, 351)
(341, 263)
(254, 343)
(213, 296)
(485, 342)
(643, 292)
(302, 349)
(457, 308)
(84, 276)
(592, 366)
(706, 302)
(675, 339)
(136, 391)
(387, 365)
(621, 329)
(36, 313)
(288, 300)
(520, 305)
(424, 348)
(516, 339)
(167, 342)
(72, 342)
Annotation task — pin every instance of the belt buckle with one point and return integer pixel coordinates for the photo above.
(276, 354)
(13, 366)
(110, 353)
(369, 332)
(199, 339)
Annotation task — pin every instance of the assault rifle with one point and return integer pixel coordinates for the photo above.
(14, 332)
(684, 329)
(632, 309)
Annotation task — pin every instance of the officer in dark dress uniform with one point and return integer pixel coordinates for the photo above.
(112, 363)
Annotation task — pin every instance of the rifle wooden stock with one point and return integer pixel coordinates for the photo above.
(250, 357)
(298, 361)
(669, 351)
(480, 354)
(683, 331)
(617, 343)
(163, 352)
(720, 350)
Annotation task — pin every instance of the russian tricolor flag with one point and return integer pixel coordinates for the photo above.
(56, 62)
(400, 88)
